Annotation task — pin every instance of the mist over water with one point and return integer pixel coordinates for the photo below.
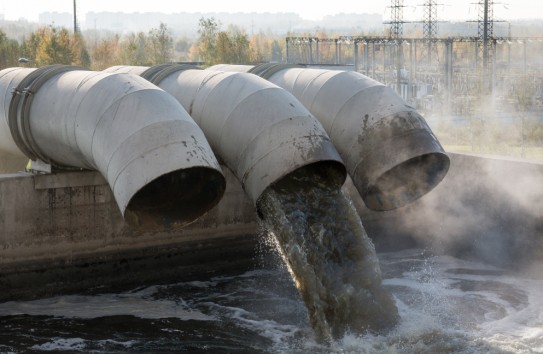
(331, 259)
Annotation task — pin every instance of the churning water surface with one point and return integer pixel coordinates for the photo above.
(446, 305)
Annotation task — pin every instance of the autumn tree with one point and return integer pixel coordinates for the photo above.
(9, 51)
(161, 44)
(134, 50)
(240, 50)
(81, 56)
(208, 32)
(223, 49)
(261, 45)
(50, 45)
(216, 46)
(55, 46)
(265, 48)
(105, 53)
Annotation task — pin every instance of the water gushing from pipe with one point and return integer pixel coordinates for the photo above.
(331, 258)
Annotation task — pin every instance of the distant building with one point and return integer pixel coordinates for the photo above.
(56, 19)
(187, 23)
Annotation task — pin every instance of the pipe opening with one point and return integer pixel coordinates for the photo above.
(407, 182)
(333, 173)
(176, 198)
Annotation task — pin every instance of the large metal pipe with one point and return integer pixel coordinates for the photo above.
(261, 132)
(389, 150)
(153, 155)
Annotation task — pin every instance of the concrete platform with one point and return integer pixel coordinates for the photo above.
(64, 232)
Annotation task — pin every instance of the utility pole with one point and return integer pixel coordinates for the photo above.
(76, 29)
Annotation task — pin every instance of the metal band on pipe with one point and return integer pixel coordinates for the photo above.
(266, 70)
(153, 70)
(19, 108)
(157, 73)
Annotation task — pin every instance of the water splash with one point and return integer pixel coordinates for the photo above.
(329, 255)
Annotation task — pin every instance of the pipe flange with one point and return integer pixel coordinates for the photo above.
(19, 108)
(149, 73)
(266, 70)
(167, 71)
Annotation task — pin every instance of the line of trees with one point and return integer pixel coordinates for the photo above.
(234, 46)
(56, 45)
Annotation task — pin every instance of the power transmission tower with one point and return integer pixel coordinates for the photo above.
(486, 40)
(396, 18)
(396, 31)
(429, 29)
(485, 30)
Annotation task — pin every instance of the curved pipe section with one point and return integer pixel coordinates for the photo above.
(389, 150)
(153, 155)
(259, 130)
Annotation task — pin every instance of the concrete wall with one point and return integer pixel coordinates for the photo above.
(64, 231)
(11, 163)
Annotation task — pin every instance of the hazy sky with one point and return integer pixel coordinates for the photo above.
(314, 10)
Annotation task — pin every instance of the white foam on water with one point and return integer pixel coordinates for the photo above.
(521, 329)
(201, 284)
(278, 333)
(433, 308)
(214, 281)
(435, 311)
(138, 304)
(127, 344)
(61, 344)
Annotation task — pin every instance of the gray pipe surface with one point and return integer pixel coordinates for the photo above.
(389, 150)
(259, 130)
(154, 157)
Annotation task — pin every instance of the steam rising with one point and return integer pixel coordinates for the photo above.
(485, 209)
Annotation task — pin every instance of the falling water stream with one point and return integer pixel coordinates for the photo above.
(331, 259)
